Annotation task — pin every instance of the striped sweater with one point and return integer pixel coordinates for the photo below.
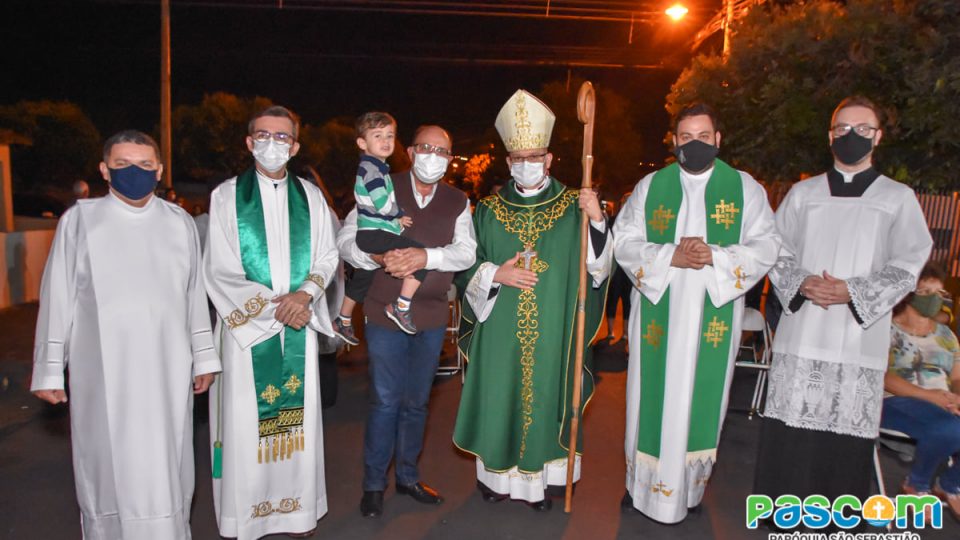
(377, 207)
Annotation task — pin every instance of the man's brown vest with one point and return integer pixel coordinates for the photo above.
(433, 226)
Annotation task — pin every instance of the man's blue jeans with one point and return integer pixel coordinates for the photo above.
(937, 433)
(402, 368)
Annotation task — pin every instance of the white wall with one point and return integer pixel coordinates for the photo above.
(22, 260)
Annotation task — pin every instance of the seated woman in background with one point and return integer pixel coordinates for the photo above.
(924, 366)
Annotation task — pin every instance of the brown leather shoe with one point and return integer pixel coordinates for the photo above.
(307, 534)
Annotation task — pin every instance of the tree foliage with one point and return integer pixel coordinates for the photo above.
(208, 138)
(790, 66)
(55, 143)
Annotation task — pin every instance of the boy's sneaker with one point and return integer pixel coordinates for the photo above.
(345, 332)
(403, 318)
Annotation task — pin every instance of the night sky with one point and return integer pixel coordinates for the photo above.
(104, 55)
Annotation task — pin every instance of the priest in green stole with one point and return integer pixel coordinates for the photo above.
(695, 236)
(270, 253)
(519, 316)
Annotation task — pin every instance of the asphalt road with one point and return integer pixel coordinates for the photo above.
(37, 498)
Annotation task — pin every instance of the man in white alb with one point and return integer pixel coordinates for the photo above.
(270, 253)
(122, 302)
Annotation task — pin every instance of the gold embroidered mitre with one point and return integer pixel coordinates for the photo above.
(525, 123)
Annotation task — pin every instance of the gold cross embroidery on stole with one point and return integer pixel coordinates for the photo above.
(715, 331)
(293, 384)
(725, 214)
(654, 333)
(270, 394)
(661, 219)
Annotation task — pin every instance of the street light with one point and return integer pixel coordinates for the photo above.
(677, 11)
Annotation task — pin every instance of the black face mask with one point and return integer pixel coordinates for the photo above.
(851, 148)
(696, 155)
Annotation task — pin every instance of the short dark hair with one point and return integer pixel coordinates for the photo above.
(697, 109)
(373, 120)
(129, 136)
(857, 101)
(279, 112)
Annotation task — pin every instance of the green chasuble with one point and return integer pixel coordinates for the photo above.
(515, 410)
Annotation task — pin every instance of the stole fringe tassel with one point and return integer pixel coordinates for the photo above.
(281, 446)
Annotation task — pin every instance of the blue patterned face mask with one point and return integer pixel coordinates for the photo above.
(133, 182)
(927, 305)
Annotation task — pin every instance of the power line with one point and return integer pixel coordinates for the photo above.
(574, 10)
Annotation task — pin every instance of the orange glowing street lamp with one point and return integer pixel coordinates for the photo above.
(677, 11)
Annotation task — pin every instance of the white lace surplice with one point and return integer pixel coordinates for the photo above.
(827, 371)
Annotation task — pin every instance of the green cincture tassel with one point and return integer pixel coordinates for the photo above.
(217, 459)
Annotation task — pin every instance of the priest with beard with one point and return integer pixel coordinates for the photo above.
(695, 236)
(854, 242)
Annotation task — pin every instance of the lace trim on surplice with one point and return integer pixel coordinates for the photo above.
(825, 396)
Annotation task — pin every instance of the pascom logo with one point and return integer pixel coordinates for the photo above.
(846, 511)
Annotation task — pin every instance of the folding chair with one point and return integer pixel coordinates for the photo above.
(753, 321)
(886, 436)
(453, 333)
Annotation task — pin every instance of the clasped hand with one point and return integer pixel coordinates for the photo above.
(293, 309)
(692, 252)
(945, 399)
(401, 263)
(825, 291)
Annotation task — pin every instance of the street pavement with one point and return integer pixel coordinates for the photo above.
(37, 498)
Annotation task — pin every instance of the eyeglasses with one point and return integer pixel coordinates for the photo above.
(539, 158)
(424, 148)
(280, 137)
(863, 130)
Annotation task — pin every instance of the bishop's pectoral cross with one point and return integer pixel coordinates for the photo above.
(528, 256)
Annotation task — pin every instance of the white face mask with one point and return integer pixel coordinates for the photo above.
(429, 168)
(527, 173)
(271, 155)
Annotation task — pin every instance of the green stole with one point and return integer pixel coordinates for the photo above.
(278, 366)
(723, 197)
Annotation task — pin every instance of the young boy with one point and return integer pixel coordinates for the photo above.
(380, 221)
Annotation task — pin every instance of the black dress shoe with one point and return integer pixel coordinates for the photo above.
(371, 505)
(490, 495)
(626, 503)
(559, 492)
(542, 506)
(421, 493)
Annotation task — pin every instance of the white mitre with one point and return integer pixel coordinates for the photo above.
(525, 123)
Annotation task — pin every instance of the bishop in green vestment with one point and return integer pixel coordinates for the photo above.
(519, 316)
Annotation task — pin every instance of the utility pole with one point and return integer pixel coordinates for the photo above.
(166, 139)
(727, 21)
